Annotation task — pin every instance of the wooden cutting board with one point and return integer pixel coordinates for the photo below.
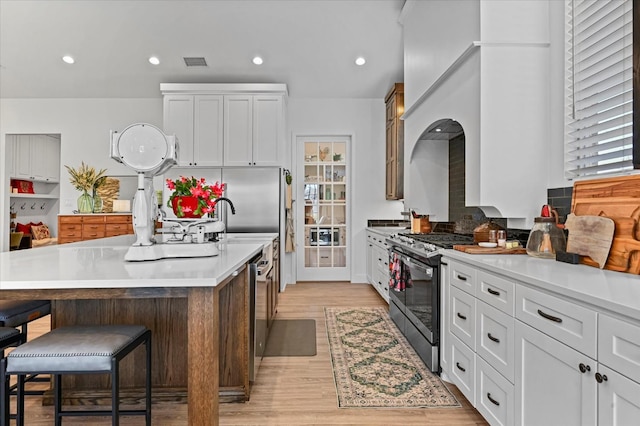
(472, 249)
(617, 198)
(590, 236)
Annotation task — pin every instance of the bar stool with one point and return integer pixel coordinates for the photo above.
(9, 337)
(18, 313)
(78, 350)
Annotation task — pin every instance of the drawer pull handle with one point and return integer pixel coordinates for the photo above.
(495, 293)
(461, 278)
(460, 367)
(495, 339)
(462, 317)
(492, 400)
(549, 317)
(601, 378)
(584, 368)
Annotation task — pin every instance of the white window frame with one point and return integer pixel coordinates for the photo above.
(599, 93)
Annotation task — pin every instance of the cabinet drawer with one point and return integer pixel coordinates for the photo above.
(619, 345)
(463, 277)
(70, 219)
(70, 227)
(381, 281)
(93, 219)
(494, 395)
(381, 258)
(463, 316)
(495, 338)
(496, 291)
(563, 320)
(92, 234)
(117, 227)
(92, 227)
(120, 218)
(463, 362)
(71, 239)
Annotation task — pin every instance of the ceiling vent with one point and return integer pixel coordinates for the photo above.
(195, 62)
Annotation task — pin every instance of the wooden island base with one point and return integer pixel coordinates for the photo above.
(165, 313)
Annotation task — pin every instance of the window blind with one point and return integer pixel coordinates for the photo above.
(600, 92)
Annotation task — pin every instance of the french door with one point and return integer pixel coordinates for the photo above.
(323, 208)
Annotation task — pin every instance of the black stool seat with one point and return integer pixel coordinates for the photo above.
(14, 313)
(80, 350)
(9, 336)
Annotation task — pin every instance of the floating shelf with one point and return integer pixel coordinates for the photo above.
(36, 196)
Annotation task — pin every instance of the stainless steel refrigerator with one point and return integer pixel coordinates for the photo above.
(255, 194)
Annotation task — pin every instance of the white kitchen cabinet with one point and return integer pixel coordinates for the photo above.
(618, 399)
(36, 158)
(378, 263)
(196, 120)
(9, 160)
(463, 368)
(554, 384)
(445, 346)
(253, 130)
(226, 124)
(238, 130)
(494, 395)
(463, 317)
(494, 338)
(619, 369)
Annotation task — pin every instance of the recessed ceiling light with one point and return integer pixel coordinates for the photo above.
(154, 60)
(68, 59)
(360, 61)
(257, 60)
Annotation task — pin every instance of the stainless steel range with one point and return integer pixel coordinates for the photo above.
(414, 288)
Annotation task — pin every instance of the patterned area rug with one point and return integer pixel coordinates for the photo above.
(375, 366)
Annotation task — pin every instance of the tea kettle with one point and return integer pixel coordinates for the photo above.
(545, 238)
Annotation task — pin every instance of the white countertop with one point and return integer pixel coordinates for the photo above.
(100, 264)
(386, 230)
(617, 292)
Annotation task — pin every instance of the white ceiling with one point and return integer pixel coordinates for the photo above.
(310, 45)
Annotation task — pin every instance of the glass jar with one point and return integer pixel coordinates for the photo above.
(545, 238)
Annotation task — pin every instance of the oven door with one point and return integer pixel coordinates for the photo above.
(419, 303)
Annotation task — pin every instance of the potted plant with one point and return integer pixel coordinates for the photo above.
(193, 198)
(85, 179)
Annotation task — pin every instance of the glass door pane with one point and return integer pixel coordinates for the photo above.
(325, 194)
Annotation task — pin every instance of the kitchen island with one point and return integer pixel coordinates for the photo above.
(196, 308)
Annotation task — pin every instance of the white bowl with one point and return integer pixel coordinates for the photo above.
(489, 245)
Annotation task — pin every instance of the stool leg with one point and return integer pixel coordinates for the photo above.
(4, 400)
(147, 345)
(115, 392)
(57, 399)
(20, 396)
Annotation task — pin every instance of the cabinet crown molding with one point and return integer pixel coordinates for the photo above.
(223, 88)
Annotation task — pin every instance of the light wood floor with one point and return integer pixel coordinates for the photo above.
(289, 390)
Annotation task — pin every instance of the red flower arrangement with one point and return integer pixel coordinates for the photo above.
(192, 197)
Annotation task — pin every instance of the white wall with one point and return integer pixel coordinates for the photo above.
(364, 120)
(83, 126)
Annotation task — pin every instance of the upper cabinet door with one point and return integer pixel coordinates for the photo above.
(178, 120)
(238, 130)
(207, 144)
(22, 156)
(268, 130)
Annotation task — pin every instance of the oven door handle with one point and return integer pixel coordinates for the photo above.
(419, 266)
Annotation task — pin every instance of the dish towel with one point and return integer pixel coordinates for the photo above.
(289, 246)
(400, 276)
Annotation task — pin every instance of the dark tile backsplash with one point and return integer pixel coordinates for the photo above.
(560, 199)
